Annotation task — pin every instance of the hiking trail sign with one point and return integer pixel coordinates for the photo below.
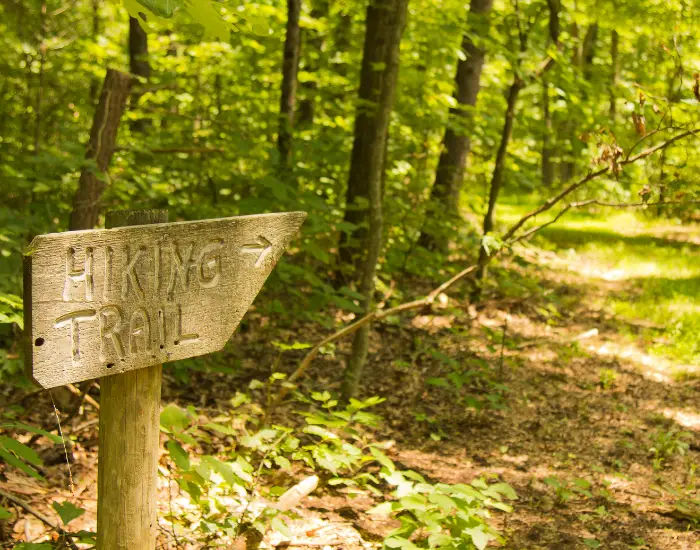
(106, 301)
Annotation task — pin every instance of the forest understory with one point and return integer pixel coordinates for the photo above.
(571, 402)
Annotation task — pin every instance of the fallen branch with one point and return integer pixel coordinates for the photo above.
(508, 239)
(41, 517)
(372, 316)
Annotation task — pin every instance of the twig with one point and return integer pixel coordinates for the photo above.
(372, 316)
(503, 346)
(84, 395)
(19, 502)
(508, 239)
(581, 204)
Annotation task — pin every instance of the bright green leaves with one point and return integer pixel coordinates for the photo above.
(20, 456)
(447, 516)
(67, 511)
(162, 8)
(11, 309)
(204, 13)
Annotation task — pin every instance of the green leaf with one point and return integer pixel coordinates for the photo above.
(162, 8)
(479, 536)
(207, 15)
(32, 546)
(383, 509)
(31, 429)
(226, 430)
(21, 450)
(174, 418)
(5, 513)
(178, 454)
(12, 460)
(382, 459)
(67, 511)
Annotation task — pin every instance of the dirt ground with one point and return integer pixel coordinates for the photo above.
(573, 410)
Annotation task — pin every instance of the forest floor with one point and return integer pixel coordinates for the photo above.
(580, 385)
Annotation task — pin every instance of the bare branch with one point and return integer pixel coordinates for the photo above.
(508, 239)
(27, 507)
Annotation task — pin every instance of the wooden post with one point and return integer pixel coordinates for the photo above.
(129, 432)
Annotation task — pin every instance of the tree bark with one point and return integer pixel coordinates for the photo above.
(547, 149)
(385, 23)
(288, 99)
(103, 135)
(444, 195)
(313, 51)
(139, 66)
(499, 166)
(380, 61)
(614, 72)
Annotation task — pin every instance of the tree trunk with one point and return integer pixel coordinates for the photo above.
(614, 72)
(313, 52)
(103, 135)
(94, 83)
(547, 149)
(583, 60)
(139, 66)
(288, 99)
(385, 23)
(444, 195)
(499, 166)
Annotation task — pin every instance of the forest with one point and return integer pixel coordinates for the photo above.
(477, 322)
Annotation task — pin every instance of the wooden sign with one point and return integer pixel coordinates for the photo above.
(105, 301)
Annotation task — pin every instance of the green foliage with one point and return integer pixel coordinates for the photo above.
(565, 490)
(67, 511)
(18, 455)
(231, 496)
(666, 444)
(473, 383)
(439, 515)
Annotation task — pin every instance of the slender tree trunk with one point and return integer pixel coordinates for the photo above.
(103, 135)
(583, 60)
(288, 99)
(385, 23)
(38, 107)
(499, 165)
(139, 66)
(94, 83)
(547, 149)
(444, 195)
(313, 52)
(614, 72)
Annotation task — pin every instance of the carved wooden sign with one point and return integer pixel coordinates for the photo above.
(105, 301)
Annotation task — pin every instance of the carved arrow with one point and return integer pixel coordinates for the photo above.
(262, 247)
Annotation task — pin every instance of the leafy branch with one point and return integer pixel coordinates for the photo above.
(509, 238)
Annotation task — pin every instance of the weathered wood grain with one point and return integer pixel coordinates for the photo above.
(127, 467)
(100, 302)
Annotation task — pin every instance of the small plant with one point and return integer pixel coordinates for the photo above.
(607, 378)
(473, 384)
(666, 444)
(439, 515)
(565, 491)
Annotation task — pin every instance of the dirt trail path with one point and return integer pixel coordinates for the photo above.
(545, 387)
(600, 438)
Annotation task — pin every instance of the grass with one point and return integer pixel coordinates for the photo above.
(658, 270)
